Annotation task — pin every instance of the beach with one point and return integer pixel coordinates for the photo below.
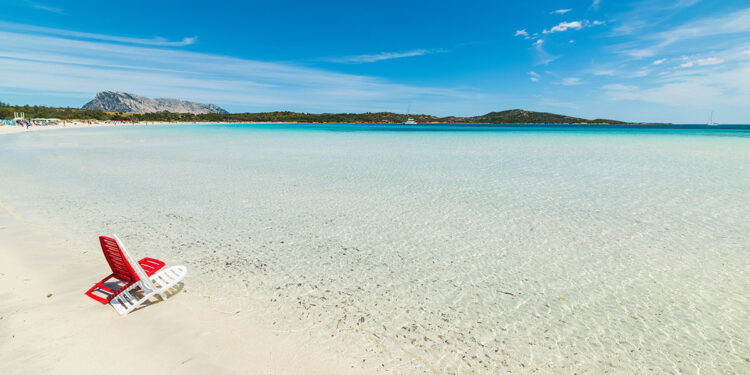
(79, 124)
(47, 325)
(366, 249)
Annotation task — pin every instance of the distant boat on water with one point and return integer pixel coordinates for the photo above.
(409, 120)
(711, 120)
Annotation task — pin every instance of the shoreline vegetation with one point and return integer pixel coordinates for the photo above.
(513, 116)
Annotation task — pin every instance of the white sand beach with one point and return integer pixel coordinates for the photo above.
(48, 326)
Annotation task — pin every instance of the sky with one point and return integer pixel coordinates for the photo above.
(641, 60)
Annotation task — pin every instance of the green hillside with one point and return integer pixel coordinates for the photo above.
(514, 116)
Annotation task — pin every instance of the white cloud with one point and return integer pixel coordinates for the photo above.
(563, 26)
(733, 23)
(521, 33)
(359, 59)
(607, 72)
(47, 8)
(571, 81)
(702, 62)
(686, 3)
(640, 52)
(595, 4)
(65, 67)
(736, 24)
(574, 25)
(645, 15)
(542, 56)
(534, 76)
(673, 94)
(730, 87)
(659, 62)
(620, 87)
(156, 41)
(560, 11)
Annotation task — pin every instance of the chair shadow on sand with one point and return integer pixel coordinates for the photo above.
(155, 299)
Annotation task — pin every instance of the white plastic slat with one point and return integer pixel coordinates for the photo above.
(166, 279)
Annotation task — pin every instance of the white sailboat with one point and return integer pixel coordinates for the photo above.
(409, 120)
(711, 120)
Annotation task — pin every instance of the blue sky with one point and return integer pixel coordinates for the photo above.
(668, 61)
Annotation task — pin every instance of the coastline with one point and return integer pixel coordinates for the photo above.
(49, 326)
(9, 129)
(82, 124)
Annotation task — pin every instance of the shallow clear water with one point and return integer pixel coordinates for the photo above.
(479, 251)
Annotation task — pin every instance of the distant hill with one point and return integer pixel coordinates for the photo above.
(124, 102)
(513, 116)
(519, 116)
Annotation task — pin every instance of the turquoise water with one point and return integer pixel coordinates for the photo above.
(470, 250)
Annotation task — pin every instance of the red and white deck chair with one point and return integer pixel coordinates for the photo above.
(139, 281)
(122, 275)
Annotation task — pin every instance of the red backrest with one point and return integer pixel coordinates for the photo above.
(121, 269)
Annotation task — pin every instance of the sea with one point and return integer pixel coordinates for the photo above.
(468, 249)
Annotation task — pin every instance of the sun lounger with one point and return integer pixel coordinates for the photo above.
(122, 275)
(144, 282)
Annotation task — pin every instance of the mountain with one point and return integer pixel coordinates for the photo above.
(124, 102)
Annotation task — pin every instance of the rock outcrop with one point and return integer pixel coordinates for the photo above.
(125, 102)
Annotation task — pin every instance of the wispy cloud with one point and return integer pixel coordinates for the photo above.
(686, 93)
(733, 24)
(619, 87)
(595, 4)
(155, 41)
(560, 11)
(534, 76)
(649, 15)
(68, 67)
(360, 59)
(643, 72)
(47, 8)
(542, 56)
(659, 62)
(605, 72)
(686, 3)
(702, 62)
(714, 84)
(571, 81)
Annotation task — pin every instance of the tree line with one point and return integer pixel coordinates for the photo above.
(515, 116)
